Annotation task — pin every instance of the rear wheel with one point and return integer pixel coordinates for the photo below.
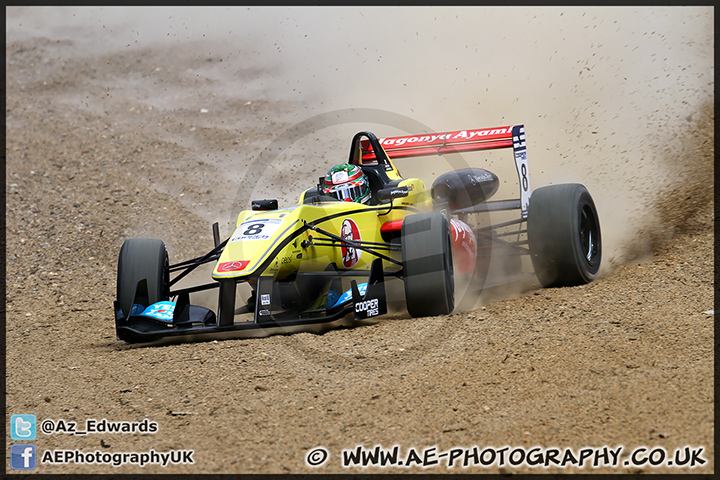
(427, 265)
(564, 235)
(142, 258)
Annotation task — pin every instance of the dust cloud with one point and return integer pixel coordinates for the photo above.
(607, 94)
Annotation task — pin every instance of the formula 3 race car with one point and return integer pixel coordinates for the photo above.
(325, 261)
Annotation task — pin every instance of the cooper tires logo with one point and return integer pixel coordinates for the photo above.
(370, 307)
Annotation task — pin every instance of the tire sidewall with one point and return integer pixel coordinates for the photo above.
(142, 258)
(427, 264)
(554, 235)
(587, 269)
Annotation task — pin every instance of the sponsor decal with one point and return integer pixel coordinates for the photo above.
(371, 307)
(350, 231)
(265, 299)
(235, 266)
(347, 296)
(255, 229)
(464, 246)
(160, 310)
(480, 178)
(340, 177)
(463, 235)
(461, 135)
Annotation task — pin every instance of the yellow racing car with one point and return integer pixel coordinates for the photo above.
(324, 261)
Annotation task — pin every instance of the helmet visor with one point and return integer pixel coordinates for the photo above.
(347, 191)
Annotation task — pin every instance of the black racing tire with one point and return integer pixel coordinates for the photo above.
(427, 265)
(142, 258)
(563, 232)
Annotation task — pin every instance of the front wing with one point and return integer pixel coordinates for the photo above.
(182, 321)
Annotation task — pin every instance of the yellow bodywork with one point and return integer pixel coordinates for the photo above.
(272, 242)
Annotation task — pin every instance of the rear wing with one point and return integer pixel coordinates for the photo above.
(462, 141)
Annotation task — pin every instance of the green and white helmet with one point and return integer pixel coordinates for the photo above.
(347, 183)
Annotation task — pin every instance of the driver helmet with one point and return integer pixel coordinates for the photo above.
(347, 183)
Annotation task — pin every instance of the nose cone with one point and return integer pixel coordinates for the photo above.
(251, 244)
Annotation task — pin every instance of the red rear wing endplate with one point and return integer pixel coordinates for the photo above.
(461, 141)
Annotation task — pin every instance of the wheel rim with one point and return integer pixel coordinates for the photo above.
(589, 234)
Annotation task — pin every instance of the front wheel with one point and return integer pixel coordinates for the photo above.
(427, 265)
(564, 235)
(142, 259)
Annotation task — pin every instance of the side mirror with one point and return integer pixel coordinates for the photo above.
(385, 194)
(271, 204)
